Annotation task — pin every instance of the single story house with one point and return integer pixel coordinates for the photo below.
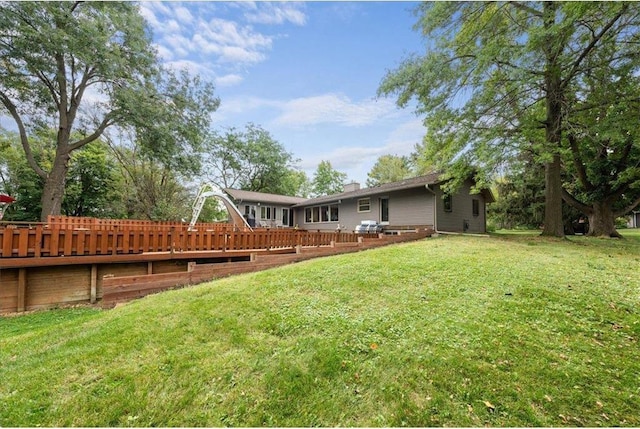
(408, 204)
(265, 210)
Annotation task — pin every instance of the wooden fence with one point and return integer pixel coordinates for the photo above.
(71, 222)
(44, 241)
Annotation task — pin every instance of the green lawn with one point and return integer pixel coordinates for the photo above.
(507, 330)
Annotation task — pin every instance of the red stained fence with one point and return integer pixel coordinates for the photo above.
(71, 222)
(41, 241)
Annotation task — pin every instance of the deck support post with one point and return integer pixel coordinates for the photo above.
(94, 283)
(22, 290)
(149, 267)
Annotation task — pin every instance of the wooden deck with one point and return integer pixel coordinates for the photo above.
(71, 260)
(43, 245)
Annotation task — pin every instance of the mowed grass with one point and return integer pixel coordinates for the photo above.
(509, 330)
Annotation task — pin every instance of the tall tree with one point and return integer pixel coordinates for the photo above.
(389, 168)
(251, 160)
(149, 189)
(603, 145)
(93, 183)
(296, 183)
(326, 180)
(497, 78)
(519, 195)
(87, 66)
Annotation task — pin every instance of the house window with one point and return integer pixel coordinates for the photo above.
(334, 213)
(267, 213)
(285, 217)
(475, 204)
(364, 205)
(321, 214)
(384, 209)
(324, 213)
(448, 203)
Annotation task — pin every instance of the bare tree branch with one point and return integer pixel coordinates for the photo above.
(573, 202)
(526, 8)
(587, 50)
(94, 136)
(577, 162)
(627, 209)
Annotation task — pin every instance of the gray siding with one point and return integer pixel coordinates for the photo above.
(346, 211)
(275, 219)
(409, 207)
(461, 211)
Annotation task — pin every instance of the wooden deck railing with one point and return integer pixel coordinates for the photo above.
(42, 241)
(71, 222)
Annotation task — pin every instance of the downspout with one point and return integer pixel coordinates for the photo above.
(435, 208)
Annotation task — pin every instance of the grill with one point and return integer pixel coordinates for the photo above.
(368, 227)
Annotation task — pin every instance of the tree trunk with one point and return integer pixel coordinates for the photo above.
(602, 221)
(54, 187)
(553, 223)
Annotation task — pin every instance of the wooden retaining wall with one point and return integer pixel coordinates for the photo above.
(35, 288)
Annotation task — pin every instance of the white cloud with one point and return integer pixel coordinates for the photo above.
(183, 15)
(154, 13)
(205, 33)
(228, 80)
(157, 6)
(238, 54)
(179, 45)
(184, 34)
(193, 67)
(231, 42)
(165, 53)
(357, 159)
(277, 13)
(347, 11)
(402, 139)
(234, 105)
(333, 108)
(172, 26)
(149, 16)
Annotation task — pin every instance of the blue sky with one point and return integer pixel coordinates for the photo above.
(306, 72)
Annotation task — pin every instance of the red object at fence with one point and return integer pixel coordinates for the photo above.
(5, 200)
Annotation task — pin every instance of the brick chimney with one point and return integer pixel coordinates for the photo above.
(352, 187)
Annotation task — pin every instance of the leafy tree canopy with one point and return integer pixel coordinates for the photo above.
(252, 160)
(93, 183)
(326, 180)
(88, 66)
(389, 168)
(500, 77)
